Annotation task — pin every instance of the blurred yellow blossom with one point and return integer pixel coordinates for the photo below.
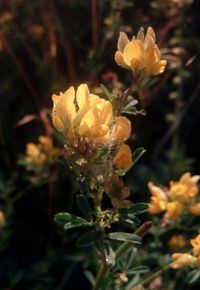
(173, 211)
(194, 209)
(141, 53)
(158, 201)
(185, 188)
(183, 259)
(41, 153)
(123, 158)
(86, 115)
(196, 246)
(2, 219)
(177, 241)
(181, 195)
(6, 16)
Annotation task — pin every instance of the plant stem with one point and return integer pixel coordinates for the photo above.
(141, 231)
(150, 278)
(103, 270)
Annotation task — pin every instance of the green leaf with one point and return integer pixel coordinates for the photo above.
(121, 172)
(133, 111)
(125, 237)
(138, 270)
(70, 225)
(84, 206)
(100, 153)
(193, 276)
(138, 208)
(111, 97)
(90, 238)
(90, 277)
(137, 154)
(110, 254)
(70, 221)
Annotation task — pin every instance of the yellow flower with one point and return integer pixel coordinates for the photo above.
(2, 219)
(182, 259)
(34, 155)
(173, 211)
(123, 158)
(177, 241)
(42, 152)
(158, 200)
(140, 53)
(194, 209)
(184, 189)
(196, 246)
(82, 114)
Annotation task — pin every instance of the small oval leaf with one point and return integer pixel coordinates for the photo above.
(84, 206)
(137, 154)
(65, 217)
(138, 208)
(125, 237)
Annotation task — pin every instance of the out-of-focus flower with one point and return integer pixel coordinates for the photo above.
(173, 211)
(2, 219)
(177, 241)
(181, 3)
(123, 278)
(156, 284)
(183, 259)
(141, 53)
(181, 195)
(37, 31)
(158, 201)
(6, 16)
(41, 153)
(194, 209)
(196, 246)
(123, 158)
(184, 189)
(89, 116)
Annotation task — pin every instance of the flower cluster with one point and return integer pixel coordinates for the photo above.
(177, 241)
(180, 196)
(141, 54)
(89, 120)
(42, 153)
(181, 260)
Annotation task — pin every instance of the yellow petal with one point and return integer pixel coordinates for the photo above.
(82, 96)
(69, 97)
(150, 33)
(140, 35)
(122, 129)
(123, 158)
(120, 60)
(122, 41)
(134, 50)
(182, 260)
(88, 121)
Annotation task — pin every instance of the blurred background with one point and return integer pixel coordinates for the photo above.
(47, 46)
